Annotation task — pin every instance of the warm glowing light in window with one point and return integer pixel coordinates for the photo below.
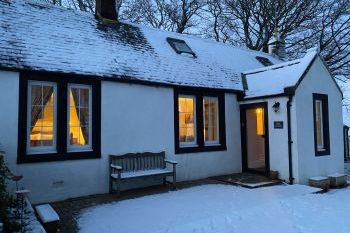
(260, 121)
(319, 125)
(79, 116)
(210, 119)
(187, 127)
(42, 105)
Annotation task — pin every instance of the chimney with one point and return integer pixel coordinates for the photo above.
(277, 46)
(106, 9)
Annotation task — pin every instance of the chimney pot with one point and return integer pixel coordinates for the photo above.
(277, 46)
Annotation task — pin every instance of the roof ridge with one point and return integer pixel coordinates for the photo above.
(49, 4)
(192, 36)
(272, 67)
(141, 26)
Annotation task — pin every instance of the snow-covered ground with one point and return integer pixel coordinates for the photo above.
(224, 209)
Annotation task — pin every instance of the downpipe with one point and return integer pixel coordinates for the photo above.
(290, 142)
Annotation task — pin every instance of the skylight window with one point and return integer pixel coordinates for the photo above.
(180, 46)
(263, 60)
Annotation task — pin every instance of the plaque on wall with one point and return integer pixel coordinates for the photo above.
(278, 124)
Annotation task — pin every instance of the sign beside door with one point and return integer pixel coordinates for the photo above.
(278, 124)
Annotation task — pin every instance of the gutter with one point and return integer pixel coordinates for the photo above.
(290, 142)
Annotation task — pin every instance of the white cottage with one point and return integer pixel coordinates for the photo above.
(75, 88)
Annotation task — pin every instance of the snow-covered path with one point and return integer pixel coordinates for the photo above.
(224, 209)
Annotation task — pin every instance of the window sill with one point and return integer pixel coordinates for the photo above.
(322, 153)
(198, 149)
(51, 157)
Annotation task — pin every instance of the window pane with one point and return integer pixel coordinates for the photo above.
(84, 97)
(186, 119)
(79, 117)
(36, 95)
(319, 125)
(260, 122)
(42, 120)
(210, 113)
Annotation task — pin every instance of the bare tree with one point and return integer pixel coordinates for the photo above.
(256, 20)
(330, 31)
(172, 15)
(214, 24)
(151, 13)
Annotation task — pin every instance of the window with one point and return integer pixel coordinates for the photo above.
(187, 120)
(41, 130)
(211, 121)
(264, 61)
(180, 46)
(79, 117)
(260, 122)
(321, 124)
(59, 118)
(199, 121)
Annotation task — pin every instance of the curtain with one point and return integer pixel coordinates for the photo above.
(83, 120)
(37, 108)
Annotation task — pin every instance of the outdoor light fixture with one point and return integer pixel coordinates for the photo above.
(276, 106)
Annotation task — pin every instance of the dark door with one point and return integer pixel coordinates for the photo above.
(255, 138)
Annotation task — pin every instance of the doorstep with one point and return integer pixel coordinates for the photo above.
(248, 180)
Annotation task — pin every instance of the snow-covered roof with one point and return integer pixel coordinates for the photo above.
(40, 36)
(273, 80)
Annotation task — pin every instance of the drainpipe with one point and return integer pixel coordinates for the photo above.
(290, 142)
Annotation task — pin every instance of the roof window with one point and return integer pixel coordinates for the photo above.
(263, 60)
(180, 46)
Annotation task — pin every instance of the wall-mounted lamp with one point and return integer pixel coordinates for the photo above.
(276, 106)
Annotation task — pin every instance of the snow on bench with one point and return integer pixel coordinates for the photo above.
(136, 165)
(135, 174)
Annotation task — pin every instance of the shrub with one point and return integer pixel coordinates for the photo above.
(7, 202)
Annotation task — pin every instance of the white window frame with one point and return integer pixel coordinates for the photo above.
(194, 143)
(217, 141)
(76, 148)
(320, 147)
(41, 149)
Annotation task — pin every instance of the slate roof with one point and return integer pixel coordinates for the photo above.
(272, 80)
(40, 36)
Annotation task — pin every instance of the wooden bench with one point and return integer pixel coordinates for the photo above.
(139, 165)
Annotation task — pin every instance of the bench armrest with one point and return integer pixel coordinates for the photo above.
(116, 167)
(170, 161)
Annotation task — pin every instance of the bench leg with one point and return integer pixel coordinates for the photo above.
(174, 180)
(164, 180)
(110, 185)
(118, 187)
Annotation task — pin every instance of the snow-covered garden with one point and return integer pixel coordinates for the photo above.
(224, 209)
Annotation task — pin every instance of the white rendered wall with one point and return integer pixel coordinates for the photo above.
(9, 82)
(141, 118)
(135, 118)
(318, 80)
(278, 138)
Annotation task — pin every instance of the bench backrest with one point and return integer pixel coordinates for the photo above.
(139, 161)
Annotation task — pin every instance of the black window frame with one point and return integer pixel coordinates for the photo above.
(62, 81)
(325, 123)
(264, 61)
(201, 146)
(171, 42)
